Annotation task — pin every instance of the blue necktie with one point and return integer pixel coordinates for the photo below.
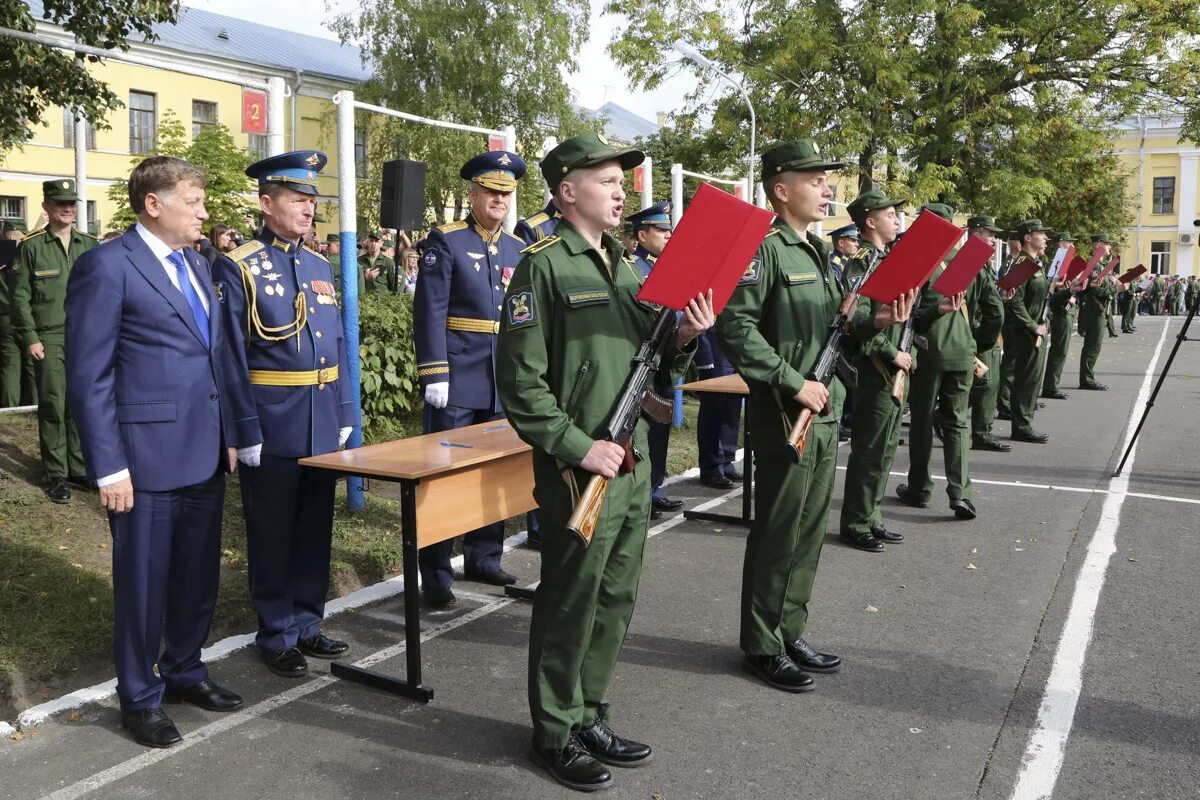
(189, 293)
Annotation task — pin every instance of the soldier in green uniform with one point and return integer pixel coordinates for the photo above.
(985, 308)
(1127, 302)
(876, 429)
(1176, 297)
(1156, 296)
(1091, 316)
(1063, 313)
(569, 329)
(39, 289)
(772, 331)
(1025, 335)
(17, 385)
(944, 378)
(1192, 295)
(378, 270)
(334, 255)
(1004, 384)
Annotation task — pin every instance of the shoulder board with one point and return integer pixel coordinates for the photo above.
(248, 249)
(87, 235)
(537, 219)
(772, 232)
(542, 244)
(511, 235)
(316, 253)
(35, 234)
(452, 226)
(862, 252)
(629, 259)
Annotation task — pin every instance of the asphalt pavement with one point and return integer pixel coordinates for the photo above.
(950, 640)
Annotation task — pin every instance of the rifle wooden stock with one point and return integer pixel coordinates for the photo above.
(899, 387)
(587, 511)
(798, 436)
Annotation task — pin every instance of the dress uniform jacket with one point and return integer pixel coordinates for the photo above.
(456, 309)
(539, 226)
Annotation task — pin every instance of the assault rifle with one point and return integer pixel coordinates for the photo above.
(906, 342)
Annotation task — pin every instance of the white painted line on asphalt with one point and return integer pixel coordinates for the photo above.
(126, 768)
(1048, 742)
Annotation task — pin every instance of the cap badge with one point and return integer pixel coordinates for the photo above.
(600, 136)
(504, 159)
(312, 160)
(66, 184)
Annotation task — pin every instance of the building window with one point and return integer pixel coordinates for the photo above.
(258, 146)
(1160, 257)
(142, 122)
(1164, 195)
(12, 208)
(360, 152)
(69, 131)
(204, 115)
(93, 222)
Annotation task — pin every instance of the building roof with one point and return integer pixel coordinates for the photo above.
(621, 124)
(205, 33)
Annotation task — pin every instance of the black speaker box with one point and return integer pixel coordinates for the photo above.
(402, 204)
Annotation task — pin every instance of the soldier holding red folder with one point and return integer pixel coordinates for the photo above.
(1025, 334)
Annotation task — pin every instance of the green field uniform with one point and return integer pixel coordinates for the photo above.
(1176, 298)
(986, 311)
(1063, 315)
(1091, 319)
(1027, 358)
(1156, 297)
(1191, 295)
(39, 289)
(335, 261)
(1128, 303)
(772, 331)
(385, 282)
(875, 432)
(569, 330)
(1111, 312)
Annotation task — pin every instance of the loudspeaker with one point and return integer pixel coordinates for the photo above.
(402, 203)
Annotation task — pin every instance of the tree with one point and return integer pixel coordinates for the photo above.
(34, 78)
(228, 192)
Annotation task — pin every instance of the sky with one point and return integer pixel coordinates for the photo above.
(597, 81)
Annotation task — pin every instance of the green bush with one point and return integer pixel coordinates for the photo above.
(390, 389)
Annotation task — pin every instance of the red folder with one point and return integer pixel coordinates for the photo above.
(1020, 272)
(1062, 257)
(1111, 266)
(964, 267)
(1078, 265)
(1133, 274)
(913, 259)
(1092, 262)
(710, 249)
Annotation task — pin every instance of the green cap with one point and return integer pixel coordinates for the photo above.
(1029, 226)
(868, 201)
(59, 190)
(981, 221)
(1101, 238)
(585, 150)
(941, 209)
(15, 225)
(1062, 236)
(373, 234)
(796, 156)
(331, 238)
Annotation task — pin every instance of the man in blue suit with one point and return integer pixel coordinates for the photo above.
(280, 312)
(465, 269)
(147, 384)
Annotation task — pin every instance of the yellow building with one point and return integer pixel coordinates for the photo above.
(232, 51)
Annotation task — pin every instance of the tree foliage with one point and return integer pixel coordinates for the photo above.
(228, 193)
(34, 79)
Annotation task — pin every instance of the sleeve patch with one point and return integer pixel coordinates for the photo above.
(219, 291)
(521, 309)
(751, 275)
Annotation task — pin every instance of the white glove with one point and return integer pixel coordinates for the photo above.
(437, 395)
(250, 456)
(343, 436)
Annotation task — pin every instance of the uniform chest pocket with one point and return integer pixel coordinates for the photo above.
(585, 296)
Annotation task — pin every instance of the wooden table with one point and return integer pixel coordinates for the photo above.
(450, 483)
(731, 384)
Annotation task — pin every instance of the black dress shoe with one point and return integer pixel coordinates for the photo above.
(1040, 404)
(861, 541)
(909, 498)
(287, 663)
(1055, 395)
(963, 508)
(655, 513)
(82, 482)
(438, 598)
(493, 575)
(1094, 387)
(843, 433)
(1004, 414)
(807, 658)
(205, 694)
(733, 474)
(605, 746)
(321, 646)
(59, 491)
(780, 672)
(1032, 436)
(992, 444)
(717, 482)
(664, 503)
(532, 543)
(151, 727)
(884, 535)
(574, 767)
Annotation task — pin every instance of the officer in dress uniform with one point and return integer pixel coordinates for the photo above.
(845, 245)
(280, 311)
(465, 269)
(540, 225)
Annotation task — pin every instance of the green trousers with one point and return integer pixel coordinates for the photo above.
(791, 507)
(582, 607)
(1056, 356)
(1005, 382)
(59, 441)
(1109, 314)
(873, 440)
(948, 392)
(1128, 315)
(1093, 339)
(983, 398)
(18, 381)
(1027, 365)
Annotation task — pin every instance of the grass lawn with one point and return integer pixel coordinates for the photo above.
(56, 571)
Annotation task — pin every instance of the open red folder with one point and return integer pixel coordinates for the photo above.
(1132, 275)
(964, 267)
(1111, 266)
(1076, 269)
(1020, 272)
(710, 249)
(910, 262)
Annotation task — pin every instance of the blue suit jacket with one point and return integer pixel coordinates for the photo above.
(146, 393)
(539, 226)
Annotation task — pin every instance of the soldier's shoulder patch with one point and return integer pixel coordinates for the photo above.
(542, 244)
(752, 275)
(316, 253)
(450, 227)
(245, 251)
(520, 309)
(219, 291)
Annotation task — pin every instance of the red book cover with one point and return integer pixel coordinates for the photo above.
(964, 266)
(1062, 257)
(711, 248)
(1111, 266)
(1020, 272)
(1133, 274)
(1076, 269)
(913, 259)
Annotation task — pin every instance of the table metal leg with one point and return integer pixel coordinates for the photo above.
(747, 517)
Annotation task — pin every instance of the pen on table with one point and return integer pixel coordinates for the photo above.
(499, 427)
(456, 444)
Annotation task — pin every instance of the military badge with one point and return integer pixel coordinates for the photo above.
(521, 310)
(475, 256)
(430, 258)
(312, 160)
(506, 275)
(504, 160)
(219, 291)
(477, 267)
(750, 276)
(254, 270)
